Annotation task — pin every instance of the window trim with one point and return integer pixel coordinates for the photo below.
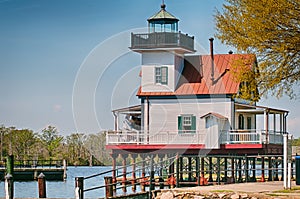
(181, 125)
(161, 78)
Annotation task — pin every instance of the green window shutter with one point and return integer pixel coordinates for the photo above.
(164, 75)
(179, 124)
(193, 128)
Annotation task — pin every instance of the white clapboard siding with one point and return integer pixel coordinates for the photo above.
(148, 79)
(164, 113)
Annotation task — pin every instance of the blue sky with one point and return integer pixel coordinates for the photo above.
(46, 46)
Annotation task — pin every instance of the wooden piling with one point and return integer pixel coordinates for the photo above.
(79, 187)
(108, 186)
(133, 181)
(124, 179)
(10, 165)
(9, 186)
(42, 185)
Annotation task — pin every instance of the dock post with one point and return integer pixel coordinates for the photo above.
(262, 169)
(10, 165)
(79, 187)
(9, 186)
(42, 185)
(65, 169)
(108, 186)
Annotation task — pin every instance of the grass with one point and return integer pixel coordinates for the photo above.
(222, 191)
(292, 190)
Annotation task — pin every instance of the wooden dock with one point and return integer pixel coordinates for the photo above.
(54, 170)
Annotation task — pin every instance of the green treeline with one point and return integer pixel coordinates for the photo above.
(77, 148)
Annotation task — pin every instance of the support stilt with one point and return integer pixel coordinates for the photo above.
(210, 178)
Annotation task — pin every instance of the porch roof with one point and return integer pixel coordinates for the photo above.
(247, 108)
(131, 110)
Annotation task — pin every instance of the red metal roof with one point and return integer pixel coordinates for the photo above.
(191, 83)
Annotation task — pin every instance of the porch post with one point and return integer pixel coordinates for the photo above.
(280, 122)
(266, 124)
(274, 122)
(116, 120)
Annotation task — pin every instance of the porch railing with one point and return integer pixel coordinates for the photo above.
(168, 137)
(251, 137)
(162, 40)
(194, 137)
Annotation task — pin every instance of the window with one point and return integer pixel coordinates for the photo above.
(187, 124)
(161, 75)
(249, 123)
(241, 121)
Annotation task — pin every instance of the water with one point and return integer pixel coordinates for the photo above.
(59, 189)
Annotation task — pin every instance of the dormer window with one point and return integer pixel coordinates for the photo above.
(161, 75)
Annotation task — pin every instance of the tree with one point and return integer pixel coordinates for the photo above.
(51, 139)
(270, 29)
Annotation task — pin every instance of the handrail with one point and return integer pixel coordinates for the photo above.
(125, 182)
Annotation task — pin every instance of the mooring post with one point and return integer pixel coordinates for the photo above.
(65, 169)
(79, 187)
(9, 186)
(10, 165)
(42, 185)
(108, 186)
